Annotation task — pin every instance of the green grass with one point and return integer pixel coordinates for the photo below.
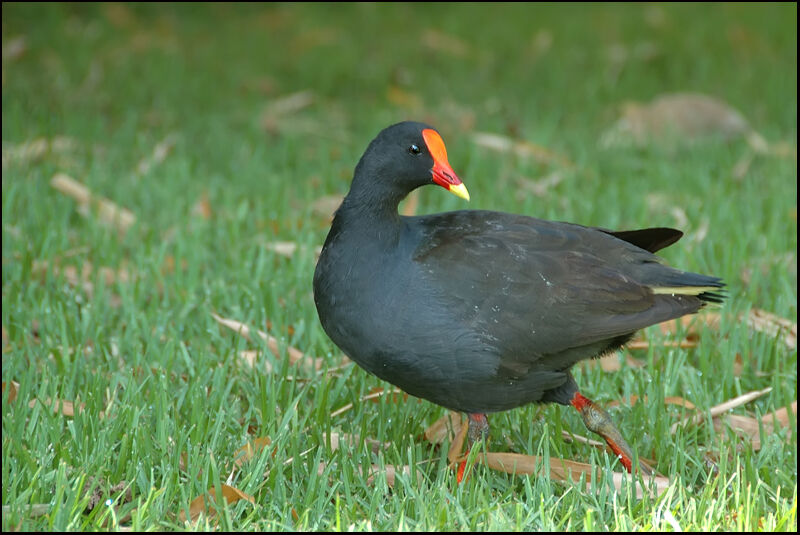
(177, 401)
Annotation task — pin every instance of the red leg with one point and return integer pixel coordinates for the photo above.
(598, 421)
(478, 429)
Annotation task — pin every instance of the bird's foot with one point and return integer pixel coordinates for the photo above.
(598, 421)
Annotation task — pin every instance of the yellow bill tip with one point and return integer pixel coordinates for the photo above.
(460, 190)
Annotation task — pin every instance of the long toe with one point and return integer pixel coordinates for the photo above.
(598, 421)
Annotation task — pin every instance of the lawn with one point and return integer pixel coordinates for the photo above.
(221, 138)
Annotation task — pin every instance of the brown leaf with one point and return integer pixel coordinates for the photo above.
(563, 470)
(768, 323)
(390, 472)
(676, 118)
(445, 428)
(520, 148)
(250, 450)
(721, 408)
(781, 415)
(233, 495)
(294, 354)
(13, 390)
(205, 503)
(67, 408)
(457, 446)
(107, 212)
(196, 508)
(748, 427)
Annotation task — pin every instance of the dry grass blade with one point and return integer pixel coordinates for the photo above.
(397, 395)
(250, 450)
(294, 354)
(738, 401)
(285, 248)
(159, 154)
(288, 104)
(674, 400)
(644, 345)
(570, 437)
(283, 106)
(368, 397)
(564, 470)
(336, 439)
(289, 248)
(35, 149)
(107, 212)
(540, 187)
(722, 408)
(520, 148)
(326, 206)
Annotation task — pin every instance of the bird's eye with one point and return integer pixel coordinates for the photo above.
(413, 149)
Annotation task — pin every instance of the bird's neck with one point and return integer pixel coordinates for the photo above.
(370, 213)
(373, 198)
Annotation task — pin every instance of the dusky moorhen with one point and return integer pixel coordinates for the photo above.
(482, 311)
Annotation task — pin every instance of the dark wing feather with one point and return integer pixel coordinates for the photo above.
(649, 239)
(532, 288)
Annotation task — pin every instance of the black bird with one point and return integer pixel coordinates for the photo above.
(482, 311)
